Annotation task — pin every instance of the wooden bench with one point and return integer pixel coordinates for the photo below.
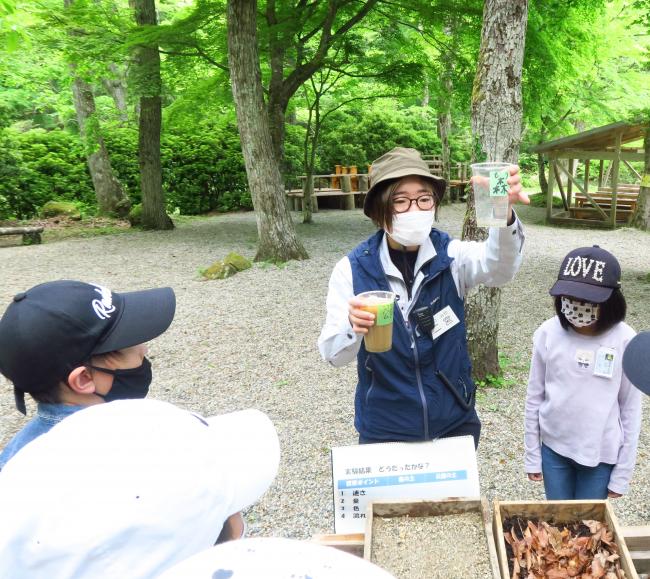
(626, 200)
(31, 235)
(295, 197)
(590, 213)
(345, 186)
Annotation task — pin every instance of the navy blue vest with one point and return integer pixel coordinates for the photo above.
(406, 393)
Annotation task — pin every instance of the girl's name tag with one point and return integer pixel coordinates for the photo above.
(605, 358)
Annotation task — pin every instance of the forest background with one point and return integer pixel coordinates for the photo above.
(343, 82)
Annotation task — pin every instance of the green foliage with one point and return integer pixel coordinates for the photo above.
(383, 128)
(39, 166)
(56, 208)
(203, 169)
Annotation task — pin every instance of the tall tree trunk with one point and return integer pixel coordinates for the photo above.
(641, 217)
(426, 93)
(445, 96)
(277, 236)
(116, 87)
(111, 198)
(147, 58)
(496, 128)
(444, 126)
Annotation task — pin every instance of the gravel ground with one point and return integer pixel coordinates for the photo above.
(250, 341)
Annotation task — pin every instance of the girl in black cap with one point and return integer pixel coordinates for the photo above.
(422, 387)
(582, 414)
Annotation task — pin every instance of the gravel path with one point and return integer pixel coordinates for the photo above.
(250, 341)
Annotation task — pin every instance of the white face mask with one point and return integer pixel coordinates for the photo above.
(579, 313)
(412, 227)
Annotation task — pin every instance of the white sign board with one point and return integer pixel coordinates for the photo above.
(434, 469)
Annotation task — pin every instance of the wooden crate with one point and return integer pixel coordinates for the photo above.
(637, 539)
(560, 512)
(431, 508)
(348, 542)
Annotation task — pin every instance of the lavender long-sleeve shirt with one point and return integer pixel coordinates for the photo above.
(578, 414)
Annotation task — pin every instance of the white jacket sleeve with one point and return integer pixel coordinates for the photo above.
(337, 343)
(629, 401)
(492, 262)
(534, 398)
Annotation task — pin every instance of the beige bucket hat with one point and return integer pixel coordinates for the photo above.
(397, 163)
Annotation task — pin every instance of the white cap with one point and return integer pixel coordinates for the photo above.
(129, 488)
(274, 558)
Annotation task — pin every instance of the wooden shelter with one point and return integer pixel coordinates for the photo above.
(606, 205)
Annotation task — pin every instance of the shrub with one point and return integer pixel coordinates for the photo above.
(203, 169)
(38, 166)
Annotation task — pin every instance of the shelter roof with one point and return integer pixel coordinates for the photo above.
(598, 139)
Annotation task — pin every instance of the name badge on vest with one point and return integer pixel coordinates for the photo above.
(444, 320)
(605, 358)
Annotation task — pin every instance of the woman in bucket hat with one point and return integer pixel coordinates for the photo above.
(582, 414)
(421, 388)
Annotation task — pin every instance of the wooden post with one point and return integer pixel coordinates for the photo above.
(346, 183)
(587, 168)
(558, 177)
(615, 168)
(363, 182)
(346, 187)
(600, 173)
(335, 180)
(569, 185)
(551, 183)
(354, 183)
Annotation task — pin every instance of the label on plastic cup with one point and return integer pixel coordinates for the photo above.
(499, 183)
(384, 314)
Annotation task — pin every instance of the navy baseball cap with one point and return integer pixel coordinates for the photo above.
(55, 327)
(588, 273)
(636, 361)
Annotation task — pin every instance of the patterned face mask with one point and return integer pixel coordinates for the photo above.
(579, 313)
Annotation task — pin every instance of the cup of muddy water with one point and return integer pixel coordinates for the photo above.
(380, 335)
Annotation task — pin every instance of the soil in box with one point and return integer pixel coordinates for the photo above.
(436, 547)
(553, 550)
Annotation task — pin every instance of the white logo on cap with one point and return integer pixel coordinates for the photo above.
(576, 266)
(104, 307)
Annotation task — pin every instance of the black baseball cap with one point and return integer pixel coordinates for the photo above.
(636, 361)
(57, 326)
(588, 273)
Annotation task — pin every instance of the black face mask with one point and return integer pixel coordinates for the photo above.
(128, 383)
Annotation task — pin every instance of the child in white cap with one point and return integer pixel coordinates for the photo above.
(129, 489)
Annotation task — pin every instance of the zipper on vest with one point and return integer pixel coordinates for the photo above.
(418, 376)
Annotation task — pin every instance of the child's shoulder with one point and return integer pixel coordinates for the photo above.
(624, 331)
(550, 325)
(549, 330)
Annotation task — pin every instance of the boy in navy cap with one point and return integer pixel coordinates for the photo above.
(71, 345)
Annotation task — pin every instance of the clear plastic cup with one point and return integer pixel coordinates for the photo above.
(491, 193)
(380, 336)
